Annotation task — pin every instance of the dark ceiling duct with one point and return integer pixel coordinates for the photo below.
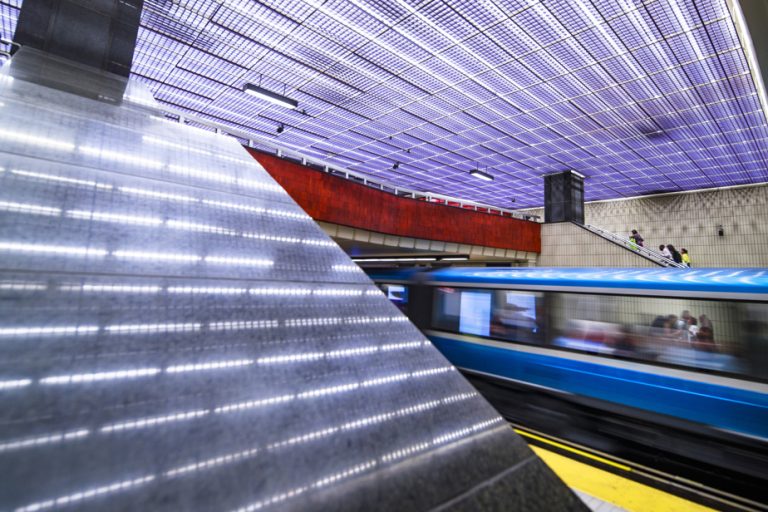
(97, 33)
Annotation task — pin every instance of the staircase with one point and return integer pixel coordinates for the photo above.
(646, 253)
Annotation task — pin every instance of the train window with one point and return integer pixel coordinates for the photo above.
(713, 335)
(397, 293)
(446, 309)
(475, 313)
(503, 314)
(679, 331)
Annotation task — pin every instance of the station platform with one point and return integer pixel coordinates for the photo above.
(606, 485)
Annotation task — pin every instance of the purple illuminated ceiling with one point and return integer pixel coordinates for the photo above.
(639, 96)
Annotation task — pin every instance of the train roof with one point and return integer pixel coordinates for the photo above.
(710, 282)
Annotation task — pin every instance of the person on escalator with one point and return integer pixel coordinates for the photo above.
(665, 252)
(686, 257)
(675, 255)
(638, 239)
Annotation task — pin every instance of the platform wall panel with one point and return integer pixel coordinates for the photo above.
(332, 199)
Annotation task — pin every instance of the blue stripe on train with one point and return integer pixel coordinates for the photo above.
(728, 280)
(719, 406)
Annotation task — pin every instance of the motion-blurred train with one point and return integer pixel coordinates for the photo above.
(655, 361)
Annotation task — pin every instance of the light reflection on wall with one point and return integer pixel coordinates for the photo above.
(122, 288)
(235, 457)
(289, 442)
(164, 296)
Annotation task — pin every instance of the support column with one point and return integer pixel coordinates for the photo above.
(564, 197)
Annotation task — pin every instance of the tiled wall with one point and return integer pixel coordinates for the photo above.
(566, 245)
(690, 220)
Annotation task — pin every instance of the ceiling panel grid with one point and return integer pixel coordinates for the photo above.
(640, 96)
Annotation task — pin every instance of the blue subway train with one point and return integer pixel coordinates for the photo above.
(671, 360)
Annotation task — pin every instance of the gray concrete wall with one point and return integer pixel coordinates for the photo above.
(689, 220)
(567, 245)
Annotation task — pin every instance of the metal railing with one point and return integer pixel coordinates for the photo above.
(652, 255)
(269, 146)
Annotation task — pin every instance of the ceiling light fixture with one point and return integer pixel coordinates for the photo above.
(382, 260)
(477, 173)
(272, 97)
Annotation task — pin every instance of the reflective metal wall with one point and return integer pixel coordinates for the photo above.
(176, 334)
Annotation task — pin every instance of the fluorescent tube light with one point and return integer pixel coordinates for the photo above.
(272, 97)
(477, 173)
(382, 260)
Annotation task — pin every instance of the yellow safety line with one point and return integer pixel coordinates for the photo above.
(574, 450)
(622, 492)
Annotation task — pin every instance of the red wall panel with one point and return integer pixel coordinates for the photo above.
(331, 199)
